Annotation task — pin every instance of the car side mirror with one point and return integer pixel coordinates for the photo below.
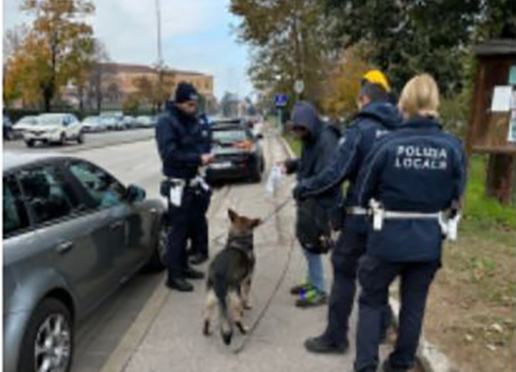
(135, 193)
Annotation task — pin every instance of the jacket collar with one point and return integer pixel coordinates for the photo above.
(180, 115)
(423, 122)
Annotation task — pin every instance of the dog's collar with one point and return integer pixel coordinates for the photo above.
(243, 243)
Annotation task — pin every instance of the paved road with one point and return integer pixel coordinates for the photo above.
(91, 140)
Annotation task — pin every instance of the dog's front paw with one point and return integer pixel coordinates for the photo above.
(242, 328)
(248, 306)
(206, 329)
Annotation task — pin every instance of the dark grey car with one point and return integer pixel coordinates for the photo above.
(71, 234)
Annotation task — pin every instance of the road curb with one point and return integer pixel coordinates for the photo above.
(429, 356)
(120, 358)
(287, 146)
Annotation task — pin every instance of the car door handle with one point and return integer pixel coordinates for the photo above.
(116, 225)
(64, 247)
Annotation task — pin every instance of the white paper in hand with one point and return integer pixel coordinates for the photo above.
(176, 195)
(274, 177)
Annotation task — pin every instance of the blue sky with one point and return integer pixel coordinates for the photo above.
(196, 36)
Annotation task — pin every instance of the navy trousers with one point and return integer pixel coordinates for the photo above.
(198, 229)
(186, 221)
(348, 250)
(375, 277)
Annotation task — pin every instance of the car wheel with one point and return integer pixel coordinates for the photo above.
(29, 143)
(48, 340)
(158, 260)
(80, 138)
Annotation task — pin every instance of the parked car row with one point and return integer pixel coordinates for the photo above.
(117, 121)
(72, 233)
(61, 128)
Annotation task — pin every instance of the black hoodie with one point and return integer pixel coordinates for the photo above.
(317, 149)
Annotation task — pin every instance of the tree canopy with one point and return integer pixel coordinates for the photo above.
(55, 51)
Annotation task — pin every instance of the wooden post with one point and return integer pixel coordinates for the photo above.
(499, 180)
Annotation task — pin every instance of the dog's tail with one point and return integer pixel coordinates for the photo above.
(220, 288)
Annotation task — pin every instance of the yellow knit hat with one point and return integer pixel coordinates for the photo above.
(377, 77)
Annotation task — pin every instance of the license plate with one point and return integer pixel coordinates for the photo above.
(224, 165)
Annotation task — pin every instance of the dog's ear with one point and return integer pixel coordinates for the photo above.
(255, 223)
(233, 216)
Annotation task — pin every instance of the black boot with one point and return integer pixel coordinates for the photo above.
(179, 284)
(386, 367)
(322, 345)
(198, 259)
(193, 274)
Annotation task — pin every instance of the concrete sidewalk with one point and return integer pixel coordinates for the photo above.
(167, 335)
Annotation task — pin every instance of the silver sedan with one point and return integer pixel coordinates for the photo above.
(71, 234)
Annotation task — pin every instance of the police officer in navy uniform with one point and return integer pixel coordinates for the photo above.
(180, 147)
(376, 118)
(414, 179)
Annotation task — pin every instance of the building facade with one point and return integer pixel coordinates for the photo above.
(112, 84)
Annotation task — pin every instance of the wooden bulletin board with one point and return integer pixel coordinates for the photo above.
(488, 130)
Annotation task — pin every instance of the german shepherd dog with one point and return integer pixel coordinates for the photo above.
(229, 278)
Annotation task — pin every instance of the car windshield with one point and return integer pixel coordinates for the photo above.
(91, 119)
(50, 119)
(229, 136)
(28, 120)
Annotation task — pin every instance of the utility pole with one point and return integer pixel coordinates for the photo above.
(160, 64)
(158, 22)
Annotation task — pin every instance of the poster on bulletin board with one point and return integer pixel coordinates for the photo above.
(512, 128)
(512, 75)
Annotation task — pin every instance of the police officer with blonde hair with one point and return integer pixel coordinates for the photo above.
(413, 180)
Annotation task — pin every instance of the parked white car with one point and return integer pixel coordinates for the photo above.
(113, 120)
(130, 122)
(24, 123)
(146, 121)
(93, 124)
(54, 128)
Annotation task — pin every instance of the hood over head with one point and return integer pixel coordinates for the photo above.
(304, 115)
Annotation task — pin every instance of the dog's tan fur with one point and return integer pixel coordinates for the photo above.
(234, 281)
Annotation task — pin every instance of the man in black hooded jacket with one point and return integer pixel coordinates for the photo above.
(313, 215)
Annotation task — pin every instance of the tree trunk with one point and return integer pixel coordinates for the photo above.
(47, 99)
(99, 101)
(80, 91)
(500, 177)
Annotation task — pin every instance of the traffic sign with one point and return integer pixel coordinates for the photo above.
(299, 86)
(280, 100)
